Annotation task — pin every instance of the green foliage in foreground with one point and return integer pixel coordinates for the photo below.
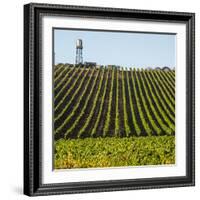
(110, 152)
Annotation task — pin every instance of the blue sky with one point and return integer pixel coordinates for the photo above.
(125, 49)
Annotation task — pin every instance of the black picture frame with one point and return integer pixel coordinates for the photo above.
(33, 185)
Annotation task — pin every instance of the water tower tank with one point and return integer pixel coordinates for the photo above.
(79, 44)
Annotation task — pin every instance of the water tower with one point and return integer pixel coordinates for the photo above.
(79, 51)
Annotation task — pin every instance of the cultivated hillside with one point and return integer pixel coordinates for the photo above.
(91, 102)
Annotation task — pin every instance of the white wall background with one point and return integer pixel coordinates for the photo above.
(11, 101)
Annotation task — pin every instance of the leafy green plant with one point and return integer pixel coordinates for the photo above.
(72, 97)
(155, 90)
(57, 70)
(60, 74)
(70, 89)
(77, 104)
(88, 120)
(135, 123)
(162, 91)
(62, 80)
(117, 106)
(164, 88)
(83, 108)
(172, 75)
(114, 152)
(168, 84)
(141, 106)
(107, 122)
(101, 107)
(126, 124)
(167, 129)
(156, 128)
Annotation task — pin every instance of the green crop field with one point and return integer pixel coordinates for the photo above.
(99, 110)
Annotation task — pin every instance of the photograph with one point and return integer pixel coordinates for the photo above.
(113, 98)
(109, 99)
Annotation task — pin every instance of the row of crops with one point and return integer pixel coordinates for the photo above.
(113, 102)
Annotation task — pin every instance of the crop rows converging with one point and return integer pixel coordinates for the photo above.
(113, 102)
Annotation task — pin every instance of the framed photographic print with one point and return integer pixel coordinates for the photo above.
(108, 99)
